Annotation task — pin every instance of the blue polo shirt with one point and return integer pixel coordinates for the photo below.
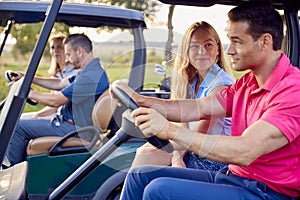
(84, 90)
(214, 78)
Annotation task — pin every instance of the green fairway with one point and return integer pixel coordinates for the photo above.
(118, 69)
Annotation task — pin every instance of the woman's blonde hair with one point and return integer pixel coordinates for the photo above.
(184, 73)
(54, 66)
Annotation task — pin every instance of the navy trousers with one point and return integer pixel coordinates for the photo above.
(29, 129)
(157, 182)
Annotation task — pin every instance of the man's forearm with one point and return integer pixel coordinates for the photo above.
(49, 83)
(47, 99)
(209, 146)
(173, 110)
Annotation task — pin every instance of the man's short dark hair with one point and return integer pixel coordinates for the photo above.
(262, 18)
(79, 40)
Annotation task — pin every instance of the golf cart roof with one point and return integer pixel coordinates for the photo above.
(279, 4)
(86, 15)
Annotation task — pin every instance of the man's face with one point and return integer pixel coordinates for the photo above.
(244, 51)
(72, 56)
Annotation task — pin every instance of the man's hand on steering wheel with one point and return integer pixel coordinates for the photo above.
(12, 77)
(124, 98)
(151, 122)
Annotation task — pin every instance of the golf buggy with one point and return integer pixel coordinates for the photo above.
(83, 175)
(291, 48)
(51, 160)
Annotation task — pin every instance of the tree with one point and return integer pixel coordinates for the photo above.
(168, 51)
(149, 7)
(27, 35)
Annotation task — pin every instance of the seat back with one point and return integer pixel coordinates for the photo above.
(101, 116)
(103, 111)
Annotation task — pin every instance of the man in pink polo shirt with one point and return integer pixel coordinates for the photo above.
(263, 151)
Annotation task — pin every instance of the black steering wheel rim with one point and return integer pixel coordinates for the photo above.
(7, 75)
(128, 102)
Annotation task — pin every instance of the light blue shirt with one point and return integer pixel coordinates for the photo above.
(67, 72)
(214, 78)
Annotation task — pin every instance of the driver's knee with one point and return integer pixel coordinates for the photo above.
(150, 155)
(157, 188)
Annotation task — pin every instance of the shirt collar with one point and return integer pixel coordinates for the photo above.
(210, 76)
(278, 72)
(68, 68)
(93, 63)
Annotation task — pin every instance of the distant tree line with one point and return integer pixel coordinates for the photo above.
(26, 35)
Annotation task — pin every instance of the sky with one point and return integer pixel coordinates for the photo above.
(183, 17)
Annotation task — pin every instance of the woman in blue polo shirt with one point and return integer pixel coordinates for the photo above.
(199, 70)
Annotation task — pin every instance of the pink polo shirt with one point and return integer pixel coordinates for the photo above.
(277, 102)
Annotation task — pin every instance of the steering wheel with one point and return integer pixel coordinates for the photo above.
(128, 102)
(8, 74)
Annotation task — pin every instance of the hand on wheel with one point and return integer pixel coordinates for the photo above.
(15, 76)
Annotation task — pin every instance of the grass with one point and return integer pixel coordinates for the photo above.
(4, 89)
(114, 72)
(115, 69)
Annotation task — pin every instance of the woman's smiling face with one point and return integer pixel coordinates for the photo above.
(203, 50)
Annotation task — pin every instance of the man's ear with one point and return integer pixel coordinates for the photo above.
(79, 51)
(266, 41)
